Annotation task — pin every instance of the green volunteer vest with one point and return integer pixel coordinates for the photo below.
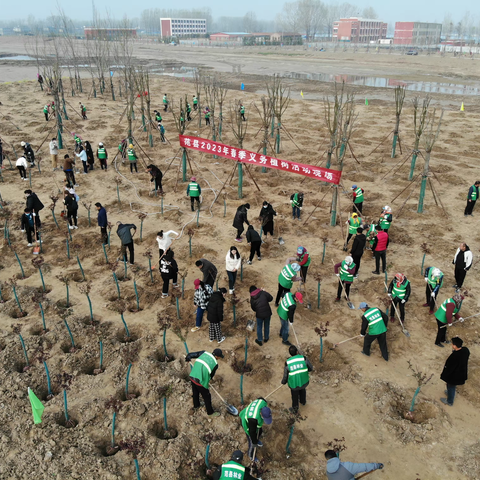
(158, 118)
(102, 153)
(359, 197)
(297, 371)
(399, 292)
(203, 367)
(165, 100)
(295, 202)
(432, 281)
(376, 325)
(194, 190)
(385, 224)
(308, 261)
(232, 469)
(120, 147)
(370, 230)
(131, 155)
(242, 110)
(53, 108)
(474, 192)
(45, 109)
(353, 224)
(344, 275)
(195, 100)
(207, 115)
(252, 411)
(285, 303)
(441, 313)
(189, 108)
(285, 277)
(77, 140)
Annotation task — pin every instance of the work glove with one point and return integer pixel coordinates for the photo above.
(449, 324)
(403, 301)
(291, 323)
(23, 231)
(433, 294)
(300, 208)
(362, 335)
(461, 319)
(426, 279)
(380, 466)
(389, 294)
(337, 275)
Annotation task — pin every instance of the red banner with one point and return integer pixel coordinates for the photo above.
(245, 156)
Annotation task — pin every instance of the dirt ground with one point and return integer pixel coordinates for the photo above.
(361, 399)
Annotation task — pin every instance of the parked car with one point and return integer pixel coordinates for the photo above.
(412, 52)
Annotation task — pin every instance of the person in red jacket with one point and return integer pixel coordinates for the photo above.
(379, 248)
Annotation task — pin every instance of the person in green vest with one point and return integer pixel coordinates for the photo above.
(132, 157)
(353, 223)
(53, 108)
(252, 418)
(194, 191)
(189, 111)
(233, 469)
(472, 196)
(296, 199)
(165, 103)
(371, 234)
(445, 314)
(83, 110)
(357, 198)
(207, 116)
(286, 312)
(376, 321)
(385, 218)
(285, 280)
(46, 111)
(162, 133)
(304, 260)
(78, 142)
(158, 117)
(296, 373)
(202, 372)
(195, 102)
(345, 271)
(434, 280)
(399, 292)
(122, 148)
(182, 119)
(102, 156)
(242, 112)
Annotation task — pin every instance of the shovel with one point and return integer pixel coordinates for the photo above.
(466, 318)
(351, 306)
(404, 330)
(230, 408)
(281, 241)
(347, 340)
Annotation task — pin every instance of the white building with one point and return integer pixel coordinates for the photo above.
(182, 27)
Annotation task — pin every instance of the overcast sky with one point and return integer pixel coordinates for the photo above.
(389, 11)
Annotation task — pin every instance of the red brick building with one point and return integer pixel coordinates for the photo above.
(358, 30)
(417, 33)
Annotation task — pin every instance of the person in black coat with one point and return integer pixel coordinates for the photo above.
(72, 209)
(259, 301)
(455, 371)
(157, 176)
(209, 271)
(28, 226)
(215, 315)
(90, 156)
(358, 248)
(255, 242)
(266, 217)
(240, 219)
(34, 204)
(168, 270)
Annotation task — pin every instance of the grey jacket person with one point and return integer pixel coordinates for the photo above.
(337, 470)
(124, 232)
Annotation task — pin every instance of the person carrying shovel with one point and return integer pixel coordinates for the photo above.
(253, 417)
(399, 292)
(286, 312)
(376, 321)
(233, 469)
(353, 223)
(202, 372)
(444, 315)
(345, 271)
(434, 280)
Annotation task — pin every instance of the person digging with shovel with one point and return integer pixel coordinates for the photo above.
(444, 315)
(353, 223)
(399, 292)
(202, 372)
(434, 280)
(376, 321)
(345, 271)
(253, 417)
(337, 470)
(286, 312)
(285, 280)
(295, 373)
(233, 469)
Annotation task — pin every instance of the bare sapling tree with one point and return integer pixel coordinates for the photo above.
(210, 90)
(198, 82)
(419, 119)
(332, 113)
(279, 94)
(179, 113)
(239, 129)
(221, 96)
(399, 100)
(430, 136)
(266, 117)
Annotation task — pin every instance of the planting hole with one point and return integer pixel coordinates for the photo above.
(158, 430)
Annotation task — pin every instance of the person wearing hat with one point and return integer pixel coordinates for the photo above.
(353, 223)
(215, 315)
(463, 261)
(304, 260)
(295, 373)
(287, 276)
(203, 292)
(203, 371)
(260, 304)
(165, 102)
(54, 153)
(102, 222)
(22, 166)
(385, 218)
(102, 156)
(240, 219)
(132, 157)
(444, 315)
(255, 241)
(157, 176)
(379, 247)
(158, 116)
(194, 191)
(472, 197)
(253, 417)
(358, 248)
(357, 193)
(233, 469)
(266, 218)
(28, 153)
(286, 312)
(434, 280)
(208, 269)
(345, 271)
(296, 199)
(164, 241)
(337, 470)
(455, 371)
(376, 321)
(399, 292)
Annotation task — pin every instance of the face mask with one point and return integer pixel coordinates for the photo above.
(264, 206)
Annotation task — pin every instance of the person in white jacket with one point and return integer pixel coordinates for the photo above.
(54, 153)
(83, 157)
(164, 241)
(233, 263)
(22, 166)
(462, 261)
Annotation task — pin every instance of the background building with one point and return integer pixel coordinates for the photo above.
(183, 27)
(417, 33)
(358, 30)
(279, 38)
(228, 36)
(92, 33)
